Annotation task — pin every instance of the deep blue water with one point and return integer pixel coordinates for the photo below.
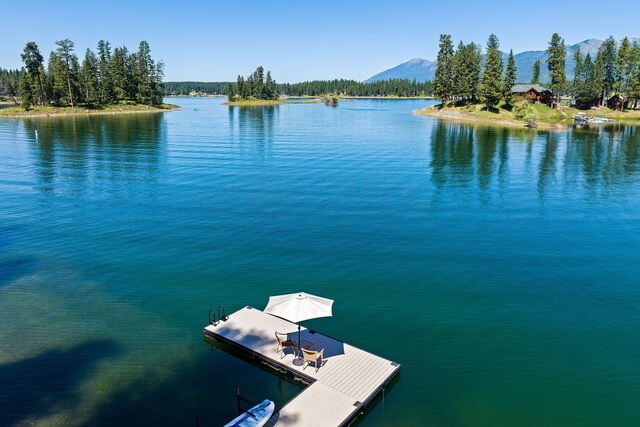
(500, 267)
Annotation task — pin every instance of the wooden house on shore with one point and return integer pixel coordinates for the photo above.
(618, 102)
(533, 93)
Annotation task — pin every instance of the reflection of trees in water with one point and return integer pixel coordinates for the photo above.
(462, 154)
(487, 147)
(602, 158)
(547, 168)
(81, 147)
(503, 152)
(451, 154)
(255, 124)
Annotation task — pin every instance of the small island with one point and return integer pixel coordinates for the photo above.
(105, 82)
(254, 90)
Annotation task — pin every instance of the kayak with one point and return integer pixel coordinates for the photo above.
(254, 417)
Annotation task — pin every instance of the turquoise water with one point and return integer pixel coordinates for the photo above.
(499, 267)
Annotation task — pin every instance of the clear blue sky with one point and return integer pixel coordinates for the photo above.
(302, 40)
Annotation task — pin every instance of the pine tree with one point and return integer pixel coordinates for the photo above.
(230, 92)
(578, 73)
(9, 84)
(26, 90)
(57, 80)
(68, 62)
(143, 72)
(598, 77)
(472, 65)
(157, 82)
(270, 87)
(259, 81)
(106, 94)
(556, 58)
(536, 73)
(491, 84)
(634, 88)
(634, 79)
(609, 66)
(90, 76)
(622, 66)
(118, 67)
(466, 72)
(510, 79)
(34, 64)
(443, 80)
(458, 71)
(239, 87)
(588, 93)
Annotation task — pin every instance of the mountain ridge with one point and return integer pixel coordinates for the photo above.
(423, 69)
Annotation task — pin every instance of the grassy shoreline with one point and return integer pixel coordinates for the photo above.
(546, 117)
(38, 111)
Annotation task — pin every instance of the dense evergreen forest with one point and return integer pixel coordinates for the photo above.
(9, 83)
(186, 88)
(104, 77)
(395, 87)
(464, 75)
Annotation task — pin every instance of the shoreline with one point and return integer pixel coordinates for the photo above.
(547, 120)
(285, 97)
(461, 116)
(19, 112)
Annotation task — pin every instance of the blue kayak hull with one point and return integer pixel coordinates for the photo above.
(254, 417)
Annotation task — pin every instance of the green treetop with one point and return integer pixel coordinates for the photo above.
(536, 72)
(33, 62)
(609, 66)
(68, 67)
(26, 91)
(510, 78)
(491, 84)
(90, 76)
(443, 80)
(598, 76)
(556, 58)
(578, 72)
(230, 94)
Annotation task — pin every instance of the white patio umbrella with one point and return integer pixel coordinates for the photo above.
(298, 307)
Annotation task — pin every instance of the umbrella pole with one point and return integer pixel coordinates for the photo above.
(299, 342)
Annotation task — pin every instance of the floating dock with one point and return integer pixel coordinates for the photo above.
(338, 391)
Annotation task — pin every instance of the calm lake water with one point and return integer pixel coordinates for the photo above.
(500, 267)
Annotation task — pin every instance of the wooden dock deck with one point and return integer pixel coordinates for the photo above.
(347, 381)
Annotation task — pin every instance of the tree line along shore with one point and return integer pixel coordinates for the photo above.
(471, 84)
(477, 87)
(394, 88)
(108, 80)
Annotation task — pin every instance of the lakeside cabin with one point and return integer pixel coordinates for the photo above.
(533, 93)
(618, 102)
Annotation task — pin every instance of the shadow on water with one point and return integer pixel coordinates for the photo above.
(468, 156)
(82, 146)
(42, 383)
(203, 387)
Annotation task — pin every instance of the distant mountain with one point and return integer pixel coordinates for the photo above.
(419, 69)
(422, 69)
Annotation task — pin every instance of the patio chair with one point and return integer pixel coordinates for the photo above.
(315, 357)
(283, 343)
